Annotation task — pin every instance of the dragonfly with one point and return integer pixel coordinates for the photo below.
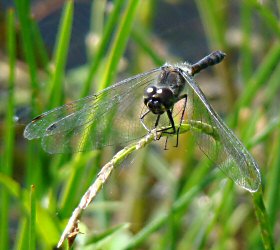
(161, 99)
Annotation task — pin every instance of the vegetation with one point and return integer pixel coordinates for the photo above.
(157, 199)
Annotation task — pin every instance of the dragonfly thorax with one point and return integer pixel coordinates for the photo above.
(172, 78)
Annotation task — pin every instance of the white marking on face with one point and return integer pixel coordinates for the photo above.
(150, 90)
(159, 91)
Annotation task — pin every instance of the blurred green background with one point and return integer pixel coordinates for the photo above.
(53, 52)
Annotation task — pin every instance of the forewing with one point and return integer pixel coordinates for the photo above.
(222, 146)
(109, 117)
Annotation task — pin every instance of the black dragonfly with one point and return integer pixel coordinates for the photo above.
(128, 110)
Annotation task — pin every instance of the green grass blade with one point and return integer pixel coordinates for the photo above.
(272, 88)
(41, 49)
(214, 16)
(32, 221)
(23, 12)
(226, 195)
(10, 125)
(213, 21)
(22, 239)
(246, 51)
(271, 126)
(119, 44)
(101, 51)
(274, 184)
(141, 38)
(69, 197)
(263, 219)
(267, 15)
(181, 204)
(261, 76)
(97, 21)
(60, 55)
(7, 160)
(46, 225)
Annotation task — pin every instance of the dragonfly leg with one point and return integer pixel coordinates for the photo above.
(172, 124)
(157, 121)
(182, 117)
(142, 120)
(156, 124)
(166, 139)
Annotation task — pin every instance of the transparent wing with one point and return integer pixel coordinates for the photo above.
(226, 149)
(109, 117)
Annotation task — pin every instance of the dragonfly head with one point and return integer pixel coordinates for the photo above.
(158, 100)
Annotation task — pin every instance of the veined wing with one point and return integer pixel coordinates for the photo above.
(80, 125)
(227, 150)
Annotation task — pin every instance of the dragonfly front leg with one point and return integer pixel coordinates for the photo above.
(142, 120)
(185, 96)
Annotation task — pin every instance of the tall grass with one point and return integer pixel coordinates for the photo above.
(159, 199)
